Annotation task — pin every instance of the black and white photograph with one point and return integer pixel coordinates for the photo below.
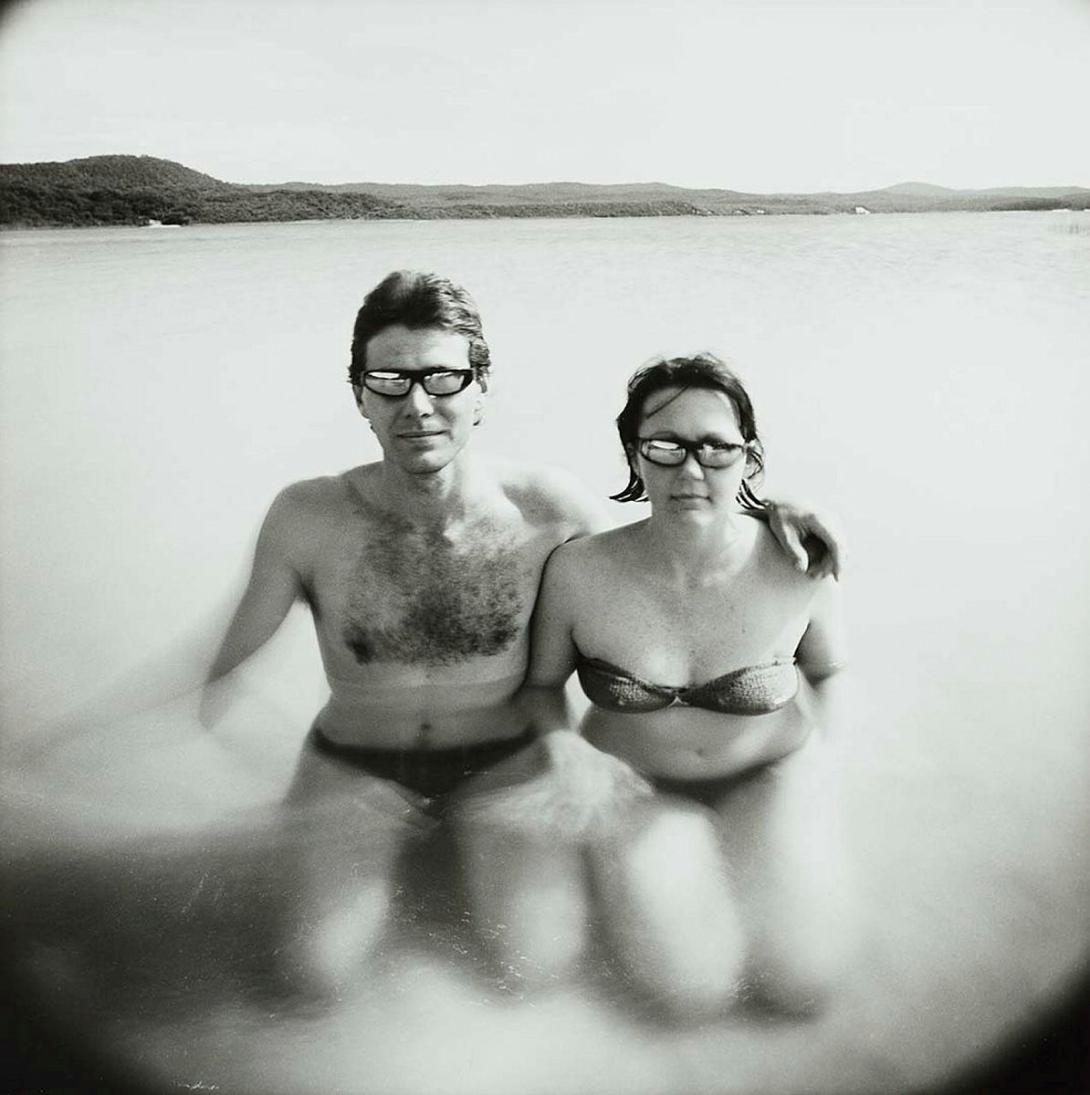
(544, 547)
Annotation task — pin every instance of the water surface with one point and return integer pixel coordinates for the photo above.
(922, 376)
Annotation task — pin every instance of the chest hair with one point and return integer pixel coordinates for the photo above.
(417, 598)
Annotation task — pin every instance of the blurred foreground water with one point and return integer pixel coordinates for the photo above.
(922, 376)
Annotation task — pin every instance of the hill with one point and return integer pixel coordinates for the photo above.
(118, 172)
(919, 189)
(136, 190)
(503, 200)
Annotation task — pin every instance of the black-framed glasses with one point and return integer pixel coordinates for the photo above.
(709, 454)
(399, 382)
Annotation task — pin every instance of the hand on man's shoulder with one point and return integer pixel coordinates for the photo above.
(548, 494)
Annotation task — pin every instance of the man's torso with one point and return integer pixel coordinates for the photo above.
(423, 630)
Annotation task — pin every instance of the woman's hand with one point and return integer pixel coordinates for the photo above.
(583, 795)
(580, 766)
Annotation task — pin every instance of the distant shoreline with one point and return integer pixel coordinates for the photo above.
(11, 229)
(133, 191)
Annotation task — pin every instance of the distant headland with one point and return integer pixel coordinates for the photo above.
(144, 190)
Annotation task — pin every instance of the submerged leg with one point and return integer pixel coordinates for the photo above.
(345, 832)
(669, 910)
(780, 829)
(528, 901)
(525, 884)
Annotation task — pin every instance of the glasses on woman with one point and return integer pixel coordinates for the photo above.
(399, 382)
(672, 454)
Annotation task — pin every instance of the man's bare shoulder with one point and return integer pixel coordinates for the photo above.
(551, 495)
(306, 509)
(310, 497)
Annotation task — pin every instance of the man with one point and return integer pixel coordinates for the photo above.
(421, 572)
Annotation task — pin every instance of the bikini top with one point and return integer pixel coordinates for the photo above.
(752, 690)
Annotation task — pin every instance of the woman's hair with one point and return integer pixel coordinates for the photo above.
(418, 301)
(700, 371)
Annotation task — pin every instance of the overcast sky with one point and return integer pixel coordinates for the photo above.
(758, 96)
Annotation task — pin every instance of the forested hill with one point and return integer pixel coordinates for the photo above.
(116, 172)
(138, 190)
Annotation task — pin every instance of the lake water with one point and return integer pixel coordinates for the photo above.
(922, 377)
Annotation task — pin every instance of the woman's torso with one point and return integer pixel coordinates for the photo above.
(720, 646)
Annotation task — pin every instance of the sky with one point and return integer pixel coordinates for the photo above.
(753, 95)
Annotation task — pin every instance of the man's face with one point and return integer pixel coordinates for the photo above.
(420, 433)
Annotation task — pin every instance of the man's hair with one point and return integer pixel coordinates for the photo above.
(418, 301)
(701, 371)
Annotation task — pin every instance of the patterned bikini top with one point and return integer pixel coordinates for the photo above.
(752, 690)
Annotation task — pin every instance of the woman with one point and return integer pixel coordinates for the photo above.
(690, 631)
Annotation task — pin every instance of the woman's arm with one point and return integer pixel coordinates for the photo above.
(822, 656)
(591, 785)
(552, 650)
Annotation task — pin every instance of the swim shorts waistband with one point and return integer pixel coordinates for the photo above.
(428, 772)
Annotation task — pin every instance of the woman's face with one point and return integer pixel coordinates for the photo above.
(692, 416)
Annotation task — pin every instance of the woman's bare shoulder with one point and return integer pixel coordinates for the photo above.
(595, 552)
(578, 571)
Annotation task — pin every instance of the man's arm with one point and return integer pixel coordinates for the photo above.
(184, 668)
(560, 497)
(587, 514)
(274, 584)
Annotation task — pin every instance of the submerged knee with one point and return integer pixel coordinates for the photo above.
(690, 979)
(537, 954)
(310, 971)
(792, 993)
(664, 848)
(702, 1000)
(539, 934)
(693, 970)
(528, 900)
(321, 958)
(672, 916)
(800, 976)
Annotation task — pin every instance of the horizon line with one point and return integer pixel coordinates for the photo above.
(551, 182)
